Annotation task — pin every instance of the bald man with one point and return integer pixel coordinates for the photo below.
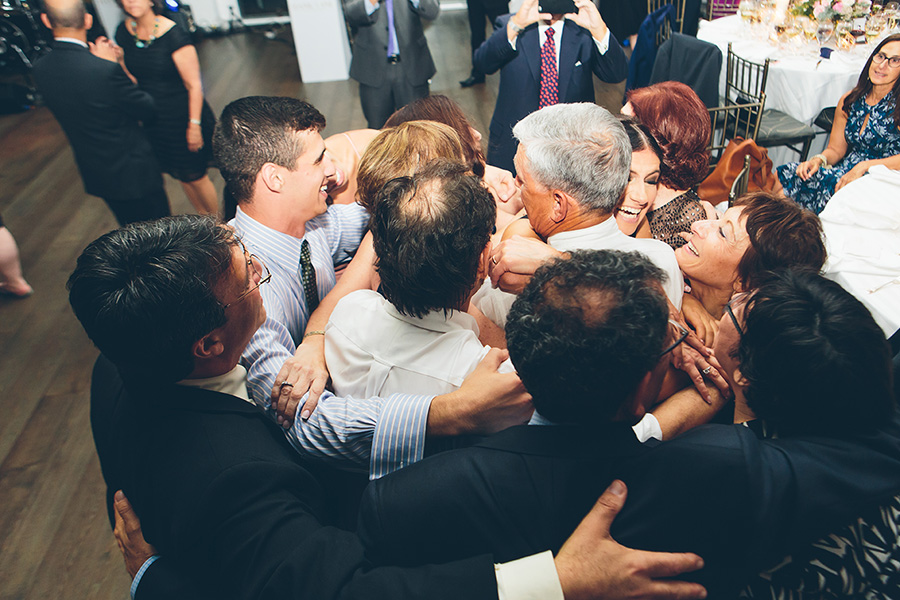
(101, 111)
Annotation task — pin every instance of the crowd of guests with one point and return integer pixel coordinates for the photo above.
(492, 352)
(493, 341)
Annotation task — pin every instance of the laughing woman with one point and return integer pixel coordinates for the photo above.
(865, 133)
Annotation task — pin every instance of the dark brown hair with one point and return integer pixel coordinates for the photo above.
(679, 121)
(864, 85)
(442, 109)
(782, 235)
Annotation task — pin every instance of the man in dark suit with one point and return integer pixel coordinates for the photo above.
(221, 493)
(739, 501)
(100, 109)
(390, 60)
(537, 69)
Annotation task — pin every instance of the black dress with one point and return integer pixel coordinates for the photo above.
(157, 75)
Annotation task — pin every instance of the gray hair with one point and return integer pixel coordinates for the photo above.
(580, 149)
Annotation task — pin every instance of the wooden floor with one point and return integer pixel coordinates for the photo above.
(55, 541)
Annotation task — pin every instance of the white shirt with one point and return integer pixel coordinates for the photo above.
(372, 349)
(608, 236)
(543, 26)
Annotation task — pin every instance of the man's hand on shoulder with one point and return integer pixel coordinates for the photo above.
(486, 402)
(591, 564)
(103, 48)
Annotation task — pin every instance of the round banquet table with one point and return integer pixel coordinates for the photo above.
(800, 83)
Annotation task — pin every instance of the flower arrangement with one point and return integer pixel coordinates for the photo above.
(832, 10)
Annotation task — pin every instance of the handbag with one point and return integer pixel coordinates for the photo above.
(715, 187)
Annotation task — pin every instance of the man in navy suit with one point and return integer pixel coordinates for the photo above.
(578, 44)
(100, 109)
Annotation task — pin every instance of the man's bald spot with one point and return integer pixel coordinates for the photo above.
(65, 14)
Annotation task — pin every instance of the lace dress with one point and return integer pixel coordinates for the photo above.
(675, 216)
(879, 139)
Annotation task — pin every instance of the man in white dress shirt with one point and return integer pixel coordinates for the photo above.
(431, 234)
(572, 163)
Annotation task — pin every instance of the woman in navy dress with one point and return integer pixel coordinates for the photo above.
(865, 133)
(158, 53)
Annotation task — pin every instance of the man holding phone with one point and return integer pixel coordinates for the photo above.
(546, 53)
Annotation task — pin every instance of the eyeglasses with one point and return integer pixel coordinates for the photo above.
(259, 268)
(730, 310)
(893, 61)
(682, 334)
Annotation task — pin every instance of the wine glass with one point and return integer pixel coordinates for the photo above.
(891, 12)
(749, 11)
(874, 27)
(824, 29)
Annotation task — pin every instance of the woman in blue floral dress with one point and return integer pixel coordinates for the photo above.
(865, 133)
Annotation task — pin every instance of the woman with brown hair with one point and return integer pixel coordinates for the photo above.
(679, 122)
(865, 133)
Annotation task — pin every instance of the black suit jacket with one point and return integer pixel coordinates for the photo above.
(739, 502)
(100, 110)
(520, 77)
(220, 490)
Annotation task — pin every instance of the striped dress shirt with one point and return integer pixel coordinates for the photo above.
(376, 434)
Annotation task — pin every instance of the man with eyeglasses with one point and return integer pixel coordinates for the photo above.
(591, 340)
(234, 511)
(815, 365)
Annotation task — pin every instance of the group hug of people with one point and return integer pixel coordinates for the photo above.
(394, 370)
(444, 382)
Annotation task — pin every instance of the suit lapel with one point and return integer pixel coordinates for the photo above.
(568, 54)
(531, 48)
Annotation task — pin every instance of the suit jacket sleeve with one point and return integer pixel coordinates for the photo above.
(134, 101)
(164, 581)
(255, 522)
(496, 51)
(428, 9)
(356, 15)
(611, 67)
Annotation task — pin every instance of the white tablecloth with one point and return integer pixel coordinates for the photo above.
(862, 234)
(798, 83)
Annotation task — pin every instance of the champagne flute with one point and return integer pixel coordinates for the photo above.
(874, 27)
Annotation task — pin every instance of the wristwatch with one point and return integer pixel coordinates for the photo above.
(518, 30)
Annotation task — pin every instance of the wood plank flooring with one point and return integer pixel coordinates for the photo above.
(54, 536)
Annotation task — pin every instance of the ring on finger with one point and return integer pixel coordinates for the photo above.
(706, 370)
(285, 384)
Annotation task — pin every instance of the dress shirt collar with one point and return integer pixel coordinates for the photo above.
(606, 229)
(233, 383)
(435, 320)
(71, 41)
(273, 245)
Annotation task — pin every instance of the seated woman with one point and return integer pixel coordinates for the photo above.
(643, 178)
(679, 122)
(865, 133)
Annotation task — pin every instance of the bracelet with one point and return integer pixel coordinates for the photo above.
(823, 159)
(309, 333)
(518, 30)
(195, 121)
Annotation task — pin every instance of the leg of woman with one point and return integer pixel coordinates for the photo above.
(202, 195)
(11, 280)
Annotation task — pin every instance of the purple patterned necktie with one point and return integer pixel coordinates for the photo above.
(549, 77)
(392, 47)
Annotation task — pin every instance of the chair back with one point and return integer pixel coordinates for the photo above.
(664, 33)
(745, 81)
(716, 9)
(739, 187)
(732, 121)
(693, 62)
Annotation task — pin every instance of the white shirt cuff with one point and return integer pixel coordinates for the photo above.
(647, 428)
(603, 45)
(530, 578)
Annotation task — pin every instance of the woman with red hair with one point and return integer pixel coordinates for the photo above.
(679, 122)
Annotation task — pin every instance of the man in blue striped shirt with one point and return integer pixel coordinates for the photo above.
(272, 156)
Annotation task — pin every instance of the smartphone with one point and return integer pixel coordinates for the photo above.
(557, 7)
